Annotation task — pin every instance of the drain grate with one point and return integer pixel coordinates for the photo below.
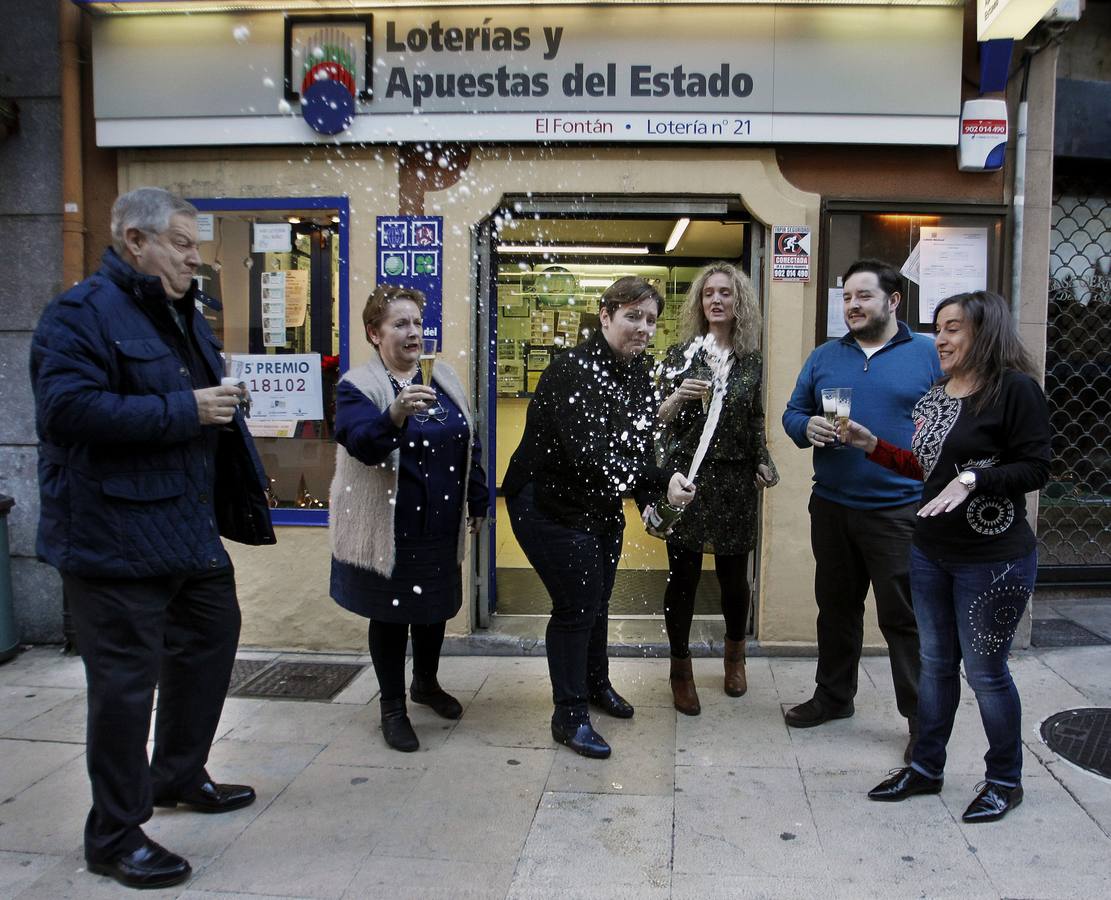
(300, 681)
(1082, 736)
(244, 670)
(1063, 633)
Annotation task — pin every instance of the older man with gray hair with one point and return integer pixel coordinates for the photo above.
(144, 462)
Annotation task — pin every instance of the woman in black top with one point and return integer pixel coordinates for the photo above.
(588, 441)
(981, 442)
(721, 332)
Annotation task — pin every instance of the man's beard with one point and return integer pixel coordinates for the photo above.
(875, 328)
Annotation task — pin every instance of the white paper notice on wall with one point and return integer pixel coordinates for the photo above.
(273, 309)
(910, 268)
(272, 238)
(835, 313)
(951, 261)
(205, 227)
(296, 297)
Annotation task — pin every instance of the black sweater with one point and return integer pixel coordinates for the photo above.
(1006, 444)
(588, 439)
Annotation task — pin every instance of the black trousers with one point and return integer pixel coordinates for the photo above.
(578, 569)
(387, 642)
(179, 633)
(684, 573)
(852, 549)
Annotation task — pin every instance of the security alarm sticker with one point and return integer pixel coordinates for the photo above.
(791, 254)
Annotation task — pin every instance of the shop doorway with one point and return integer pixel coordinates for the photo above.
(543, 265)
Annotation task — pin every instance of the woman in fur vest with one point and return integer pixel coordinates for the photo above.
(408, 489)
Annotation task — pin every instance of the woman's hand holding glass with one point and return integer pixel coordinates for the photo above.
(856, 435)
(411, 399)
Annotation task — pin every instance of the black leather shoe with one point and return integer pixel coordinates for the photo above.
(150, 866)
(583, 739)
(211, 797)
(815, 712)
(903, 783)
(612, 703)
(396, 727)
(428, 692)
(992, 803)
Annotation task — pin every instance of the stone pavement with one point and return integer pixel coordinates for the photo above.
(728, 804)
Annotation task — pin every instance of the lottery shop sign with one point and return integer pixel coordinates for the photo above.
(410, 254)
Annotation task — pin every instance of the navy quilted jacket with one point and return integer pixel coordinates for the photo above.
(129, 480)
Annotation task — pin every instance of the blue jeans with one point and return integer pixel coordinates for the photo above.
(969, 611)
(578, 570)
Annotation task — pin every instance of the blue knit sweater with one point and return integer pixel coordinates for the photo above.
(885, 389)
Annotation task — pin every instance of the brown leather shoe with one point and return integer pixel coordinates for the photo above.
(736, 681)
(683, 692)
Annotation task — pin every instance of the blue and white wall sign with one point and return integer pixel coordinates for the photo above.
(411, 254)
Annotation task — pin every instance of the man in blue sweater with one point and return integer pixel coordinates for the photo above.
(861, 514)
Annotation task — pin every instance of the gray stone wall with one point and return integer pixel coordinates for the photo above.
(30, 275)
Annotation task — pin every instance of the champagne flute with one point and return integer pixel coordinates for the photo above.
(704, 373)
(427, 364)
(844, 410)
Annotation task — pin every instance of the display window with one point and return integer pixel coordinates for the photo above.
(279, 269)
(939, 248)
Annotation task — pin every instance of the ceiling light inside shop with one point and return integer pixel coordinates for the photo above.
(572, 250)
(676, 234)
(294, 220)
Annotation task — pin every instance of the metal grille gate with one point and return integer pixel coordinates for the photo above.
(1074, 515)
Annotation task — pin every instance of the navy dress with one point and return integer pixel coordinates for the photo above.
(426, 585)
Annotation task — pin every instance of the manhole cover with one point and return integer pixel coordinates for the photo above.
(244, 670)
(1063, 633)
(301, 681)
(1082, 736)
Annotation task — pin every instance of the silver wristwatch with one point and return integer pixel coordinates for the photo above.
(968, 479)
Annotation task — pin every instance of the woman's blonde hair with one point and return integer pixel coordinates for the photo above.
(747, 323)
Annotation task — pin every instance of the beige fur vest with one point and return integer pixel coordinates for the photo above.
(362, 498)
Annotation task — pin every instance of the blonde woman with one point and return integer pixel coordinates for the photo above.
(717, 358)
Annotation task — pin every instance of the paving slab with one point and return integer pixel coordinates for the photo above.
(315, 834)
(25, 763)
(70, 880)
(49, 815)
(18, 871)
(643, 760)
(743, 822)
(62, 722)
(268, 767)
(1047, 847)
(513, 709)
(473, 804)
(21, 703)
(1085, 669)
(744, 731)
(360, 742)
(597, 845)
(293, 721)
(407, 878)
(44, 667)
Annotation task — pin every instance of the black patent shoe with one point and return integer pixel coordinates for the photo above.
(149, 866)
(992, 803)
(612, 703)
(427, 691)
(814, 712)
(582, 738)
(396, 727)
(903, 783)
(211, 797)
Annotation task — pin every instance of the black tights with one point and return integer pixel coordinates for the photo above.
(682, 581)
(387, 642)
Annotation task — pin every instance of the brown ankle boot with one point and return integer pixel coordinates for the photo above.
(736, 682)
(682, 687)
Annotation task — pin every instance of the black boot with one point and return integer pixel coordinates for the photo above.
(426, 689)
(396, 727)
